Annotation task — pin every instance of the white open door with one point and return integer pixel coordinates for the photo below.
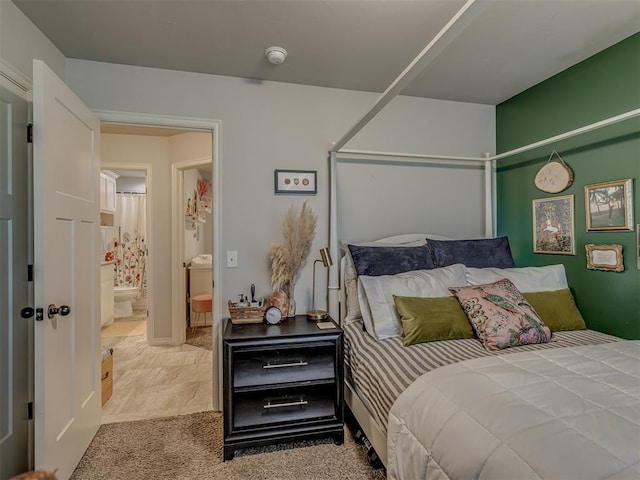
(66, 146)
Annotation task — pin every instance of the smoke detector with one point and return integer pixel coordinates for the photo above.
(276, 55)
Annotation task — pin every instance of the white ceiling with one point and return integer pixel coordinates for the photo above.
(352, 44)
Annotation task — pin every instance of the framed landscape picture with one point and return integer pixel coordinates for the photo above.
(609, 206)
(553, 227)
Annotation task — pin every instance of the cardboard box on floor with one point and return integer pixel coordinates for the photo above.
(107, 378)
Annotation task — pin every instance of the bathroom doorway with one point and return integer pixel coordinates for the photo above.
(126, 244)
(193, 235)
(169, 330)
(153, 374)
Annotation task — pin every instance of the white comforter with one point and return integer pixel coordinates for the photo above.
(566, 413)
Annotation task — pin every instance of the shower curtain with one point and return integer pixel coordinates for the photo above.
(130, 243)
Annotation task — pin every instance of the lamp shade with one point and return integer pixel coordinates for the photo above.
(325, 256)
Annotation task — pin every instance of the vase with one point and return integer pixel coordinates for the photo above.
(292, 308)
(292, 301)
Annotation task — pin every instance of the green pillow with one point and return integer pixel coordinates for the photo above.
(557, 309)
(430, 319)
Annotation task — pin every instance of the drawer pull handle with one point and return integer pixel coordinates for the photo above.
(287, 404)
(301, 363)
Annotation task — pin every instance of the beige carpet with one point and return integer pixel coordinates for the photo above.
(200, 337)
(125, 329)
(189, 447)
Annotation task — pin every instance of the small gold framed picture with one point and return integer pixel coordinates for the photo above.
(609, 206)
(604, 257)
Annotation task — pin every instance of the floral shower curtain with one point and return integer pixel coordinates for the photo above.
(130, 243)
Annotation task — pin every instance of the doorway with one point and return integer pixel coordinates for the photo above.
(125, 245)
(174, 335)
(193, 234)
(150, 372)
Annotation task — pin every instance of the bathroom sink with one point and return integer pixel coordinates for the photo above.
(203, 260)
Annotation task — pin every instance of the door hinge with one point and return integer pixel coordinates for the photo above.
(30, 411)
(30, 273)
(30, 133)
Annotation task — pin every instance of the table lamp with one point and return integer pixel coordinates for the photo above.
(325, 258)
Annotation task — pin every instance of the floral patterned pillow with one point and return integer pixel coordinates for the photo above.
(501, 316)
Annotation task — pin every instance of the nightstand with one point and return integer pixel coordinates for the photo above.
(281, 383)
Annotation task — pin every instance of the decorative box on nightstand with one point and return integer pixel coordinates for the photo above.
(281, 383)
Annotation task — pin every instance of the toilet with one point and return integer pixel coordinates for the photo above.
(123, 296)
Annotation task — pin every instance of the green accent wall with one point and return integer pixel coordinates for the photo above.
(600, 87)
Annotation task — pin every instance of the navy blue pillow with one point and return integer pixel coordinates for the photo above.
(480, 253)
(376, 261)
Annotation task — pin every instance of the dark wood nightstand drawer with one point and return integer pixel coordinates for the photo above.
(269, 366)
(277, 407)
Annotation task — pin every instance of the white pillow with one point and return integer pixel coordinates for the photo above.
(375, 294)
(526, 279)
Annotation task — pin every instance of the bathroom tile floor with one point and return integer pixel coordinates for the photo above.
(151, 382)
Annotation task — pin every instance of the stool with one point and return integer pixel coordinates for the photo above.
(200, 304)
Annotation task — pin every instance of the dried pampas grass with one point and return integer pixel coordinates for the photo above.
(288, 258)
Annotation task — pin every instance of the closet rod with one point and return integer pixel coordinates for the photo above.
(449, 32)
(540, 143)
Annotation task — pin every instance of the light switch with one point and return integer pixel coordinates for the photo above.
(232, 259)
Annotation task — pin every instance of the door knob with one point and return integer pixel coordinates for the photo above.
(62, 310)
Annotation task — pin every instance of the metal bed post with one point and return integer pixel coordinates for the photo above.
(334, 280)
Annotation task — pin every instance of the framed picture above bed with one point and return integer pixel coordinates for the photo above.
(553, 225)
(609, 206)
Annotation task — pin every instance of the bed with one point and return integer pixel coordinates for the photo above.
(388, 386)
(565, 413)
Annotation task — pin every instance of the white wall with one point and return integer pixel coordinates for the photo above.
(21, 42)
(190, 146)
(269, 125)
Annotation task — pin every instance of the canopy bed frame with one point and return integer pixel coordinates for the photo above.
(338, 153)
